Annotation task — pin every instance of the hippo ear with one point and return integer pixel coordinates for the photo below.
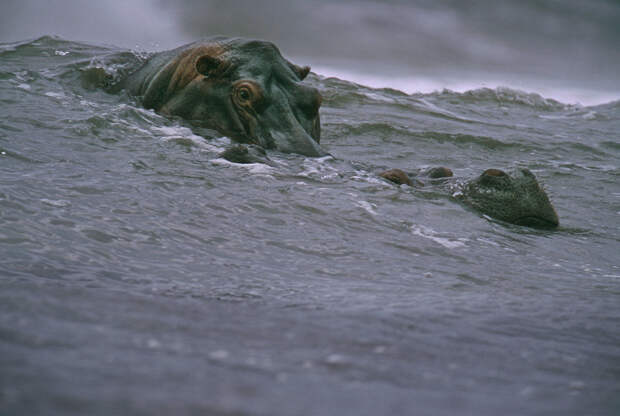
(300, 71)
(207, 65)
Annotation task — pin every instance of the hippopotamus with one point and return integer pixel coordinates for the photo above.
(243, 89)
(514, 197)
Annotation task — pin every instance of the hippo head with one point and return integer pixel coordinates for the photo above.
(515, 198)
(242, 88)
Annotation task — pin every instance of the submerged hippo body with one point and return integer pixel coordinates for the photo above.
(516, 198)
(241, 88)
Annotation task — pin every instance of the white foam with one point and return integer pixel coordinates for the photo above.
(368, 177)
(179, 132)
(367, 206)
(57, 95)
(378, 97)
(431, 234)
(436, 109)
(256, 168)
(314, 167)
(56, 203)
(176, 131)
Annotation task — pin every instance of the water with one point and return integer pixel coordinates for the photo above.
(142, 274)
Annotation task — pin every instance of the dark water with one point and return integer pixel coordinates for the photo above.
(140, 274)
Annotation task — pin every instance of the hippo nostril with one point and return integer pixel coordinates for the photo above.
(494, 172)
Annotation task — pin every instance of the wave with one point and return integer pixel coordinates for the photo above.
(504, 88)
(503, 96)
(49, 45)
(363, 87)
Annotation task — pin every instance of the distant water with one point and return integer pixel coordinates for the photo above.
(140, 274)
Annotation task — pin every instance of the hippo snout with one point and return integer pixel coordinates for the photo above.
(290, 124)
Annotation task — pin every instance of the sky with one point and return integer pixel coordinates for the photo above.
(566, 48)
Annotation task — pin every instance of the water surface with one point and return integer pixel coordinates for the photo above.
(142, 274)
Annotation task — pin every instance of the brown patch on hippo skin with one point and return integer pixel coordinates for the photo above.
(440, 172)
(189, 62)
(398, 177)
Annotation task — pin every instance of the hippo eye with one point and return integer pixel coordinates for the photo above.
(244, 94)
(248, 94)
